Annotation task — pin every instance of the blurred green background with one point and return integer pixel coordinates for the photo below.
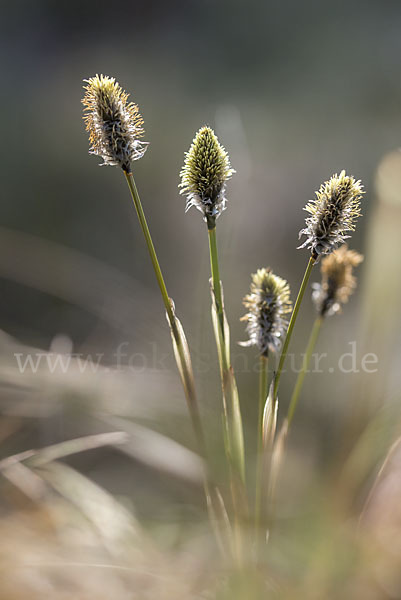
(295, 91)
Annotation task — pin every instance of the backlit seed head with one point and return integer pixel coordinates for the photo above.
(332, 214)
(269, 307)
(337, 283)
(114, 124)
(204, 174)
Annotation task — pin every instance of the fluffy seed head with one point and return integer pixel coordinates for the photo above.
(269, 307)
(332, 214)
(114, 124)
(337, 283)
(204, 174)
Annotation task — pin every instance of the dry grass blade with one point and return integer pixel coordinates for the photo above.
(220, 522)
(114, 523)
(77, 445)
(158, 451)
(62, 449)
(25, 480)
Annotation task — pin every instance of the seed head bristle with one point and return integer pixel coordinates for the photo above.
(332, 214)
(204, 174)
(269, 307)
(115, 125)
(338, 281)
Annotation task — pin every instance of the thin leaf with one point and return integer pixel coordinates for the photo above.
(220, 521)
(231, 404)
(184, 364)
(277, 459)
(269, 423)
(238, 436)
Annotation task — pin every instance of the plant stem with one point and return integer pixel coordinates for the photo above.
(301, 375)
(214, 265)
(186, 367)
(294, 315)
(152, 252)
(263, 389)
(231, 408)
(232, 422)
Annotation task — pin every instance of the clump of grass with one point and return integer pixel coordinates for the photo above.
(115, 131)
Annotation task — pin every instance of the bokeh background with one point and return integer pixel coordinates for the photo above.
(295, 91)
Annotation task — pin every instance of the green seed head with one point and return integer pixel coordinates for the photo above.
(204, 174)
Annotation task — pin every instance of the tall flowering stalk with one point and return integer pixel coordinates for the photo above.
(204, 175)
(336, 286)
(268, 305)
(115, 129)
(333, 214)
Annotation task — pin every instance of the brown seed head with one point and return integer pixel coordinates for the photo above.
(338, 281)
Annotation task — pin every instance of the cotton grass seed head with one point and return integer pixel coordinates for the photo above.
(337, 283)
(269, 307)
(114, 124)
(204, 174)
(332, 214)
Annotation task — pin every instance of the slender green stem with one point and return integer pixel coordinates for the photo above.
(263, 388)
(305, 365)
(185, 371)
(152, 252)
(214, 265)
(222, 349)
(226, 372)
(294, 315)
(231, 409)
